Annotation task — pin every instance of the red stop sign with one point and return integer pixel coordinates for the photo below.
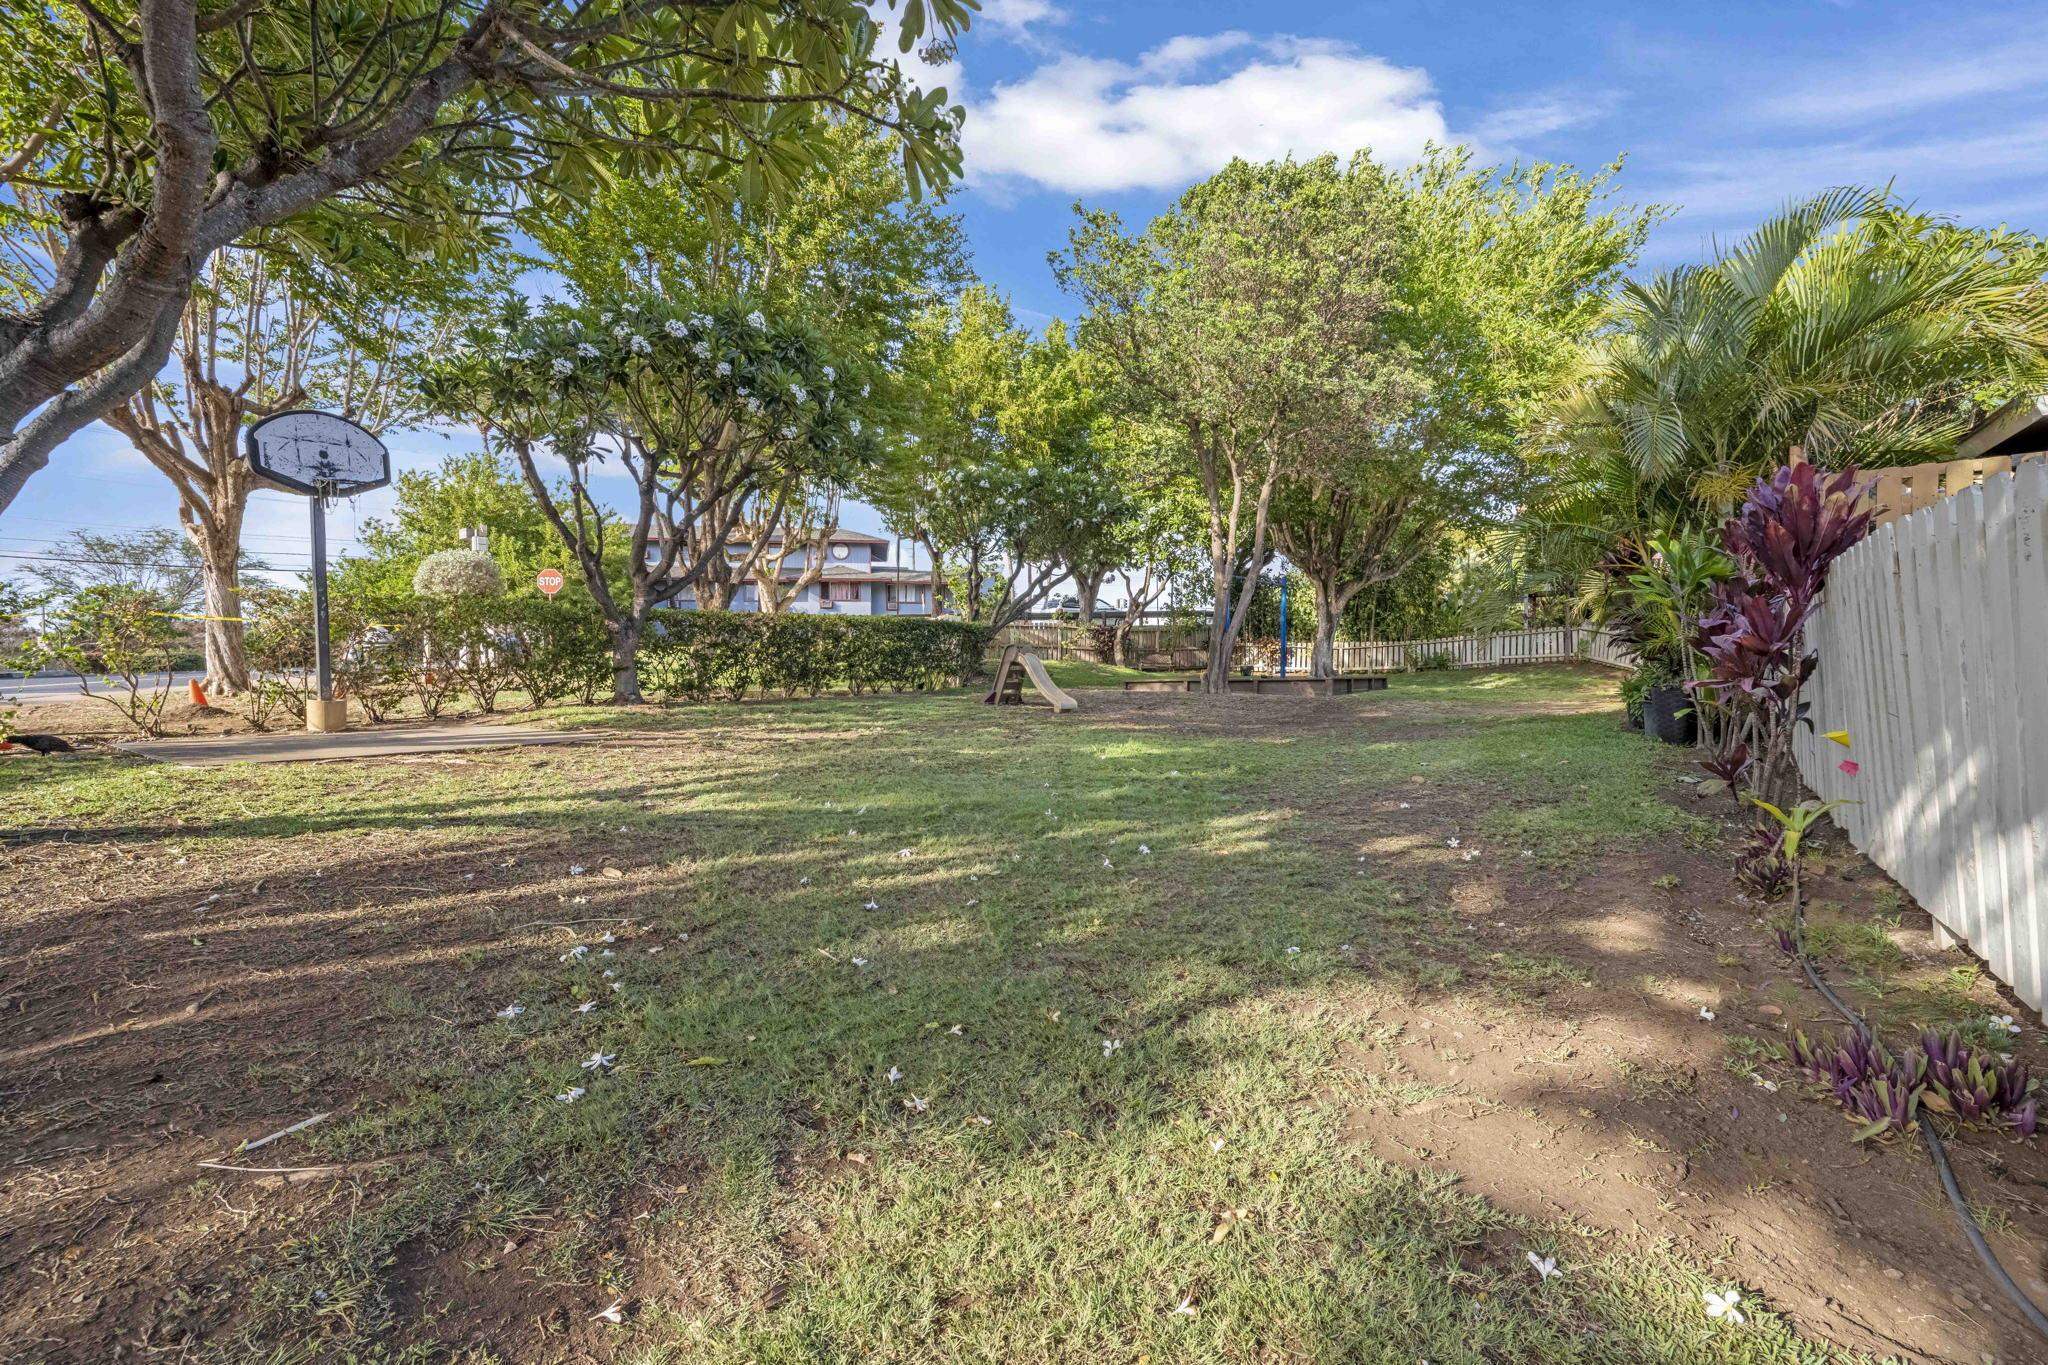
(548, 581)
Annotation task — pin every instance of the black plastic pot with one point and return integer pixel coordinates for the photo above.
(1668, 715)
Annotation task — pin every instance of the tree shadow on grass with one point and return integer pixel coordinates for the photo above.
(747, 1173)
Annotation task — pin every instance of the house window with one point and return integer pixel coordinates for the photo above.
(843, 592)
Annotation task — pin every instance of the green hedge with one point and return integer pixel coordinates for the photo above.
(390, 649)
(695, 655)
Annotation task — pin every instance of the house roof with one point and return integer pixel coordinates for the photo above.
(2018, 428)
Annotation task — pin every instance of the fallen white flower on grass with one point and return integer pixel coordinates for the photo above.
(981, 1121)
(872, 904)
(1107, 863)
(1706, 1014)
(1110, 1045)
(597, 1061)
(578, 951)
(576, 869)
(1724, 1306)
(1546, 1266)
(652, 951)
(1185, 1308)
(1144, 848)
(586, 1007)
(1404, 805)
(609, 937)
(904, 854)
(1763, 1084)
(615, 1313)
(512, 1011)
(803, 881)
(1470, 854)
(608, 952)
(916, 1104)
(973, 901)
(1451, 842)
(1215, 1144)
(1292, 950)
(860, 962)
(618, 985)
(572, 1094)
(956, 1030)
(894, 1075)
(2005, 1021)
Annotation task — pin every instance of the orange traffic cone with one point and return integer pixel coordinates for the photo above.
(198, 692)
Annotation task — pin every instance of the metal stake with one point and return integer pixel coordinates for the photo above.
(323, 670)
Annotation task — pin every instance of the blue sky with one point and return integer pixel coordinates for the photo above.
(1724, 111)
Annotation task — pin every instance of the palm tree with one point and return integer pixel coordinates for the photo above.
(1846, 329)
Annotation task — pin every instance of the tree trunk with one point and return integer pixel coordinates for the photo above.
(626, 662)
(1088, 588)
(227, 659)
(1322, 657)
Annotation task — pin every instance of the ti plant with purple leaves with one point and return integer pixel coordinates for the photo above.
(1789, 531)
(1940, 1073)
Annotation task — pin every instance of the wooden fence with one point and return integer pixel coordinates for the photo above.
(1933, 641)
(1544, 644)
(1904, 489)
(1499, 649)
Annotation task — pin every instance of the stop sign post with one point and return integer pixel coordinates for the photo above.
(548, 581)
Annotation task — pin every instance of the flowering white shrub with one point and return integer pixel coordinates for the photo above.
(458, 573)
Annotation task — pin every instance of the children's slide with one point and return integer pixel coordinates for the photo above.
(1017, 665)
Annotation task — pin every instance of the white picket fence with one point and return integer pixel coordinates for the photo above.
(1543, 644)
(1933, 641)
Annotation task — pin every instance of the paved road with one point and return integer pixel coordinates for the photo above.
(66, 687)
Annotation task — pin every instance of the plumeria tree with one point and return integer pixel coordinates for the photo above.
(698, 408)
(140, 137)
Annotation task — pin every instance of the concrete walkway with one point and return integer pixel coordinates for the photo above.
(303, 747)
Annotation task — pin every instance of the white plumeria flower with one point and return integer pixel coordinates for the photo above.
(1451, 842)
(1215, 1144)
(981, 1121)
(1724, 1306)
(860, 962)
(871, 904)
(1185, 1308)
(1404, 805)
(598, 1060)
(608, 937)
(1469, 854)
(1292, 950)
(803, 881)
(586, 1007)
(609, 952)
(1706, 1014)
(572, 1094)
(1112, 1045)
(893, 1075)
(1108, 864)
(957, 1030)
(578, 951)
(1144, 848)
(609, 974)
(1546, 1266)
(512, 1011)
(916, 1104)
(615, 1313)
(575, 869)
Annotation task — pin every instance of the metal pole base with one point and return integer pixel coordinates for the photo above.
(325, 717)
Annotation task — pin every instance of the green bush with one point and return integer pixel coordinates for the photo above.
(696, 655)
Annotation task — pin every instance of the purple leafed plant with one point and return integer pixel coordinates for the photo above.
(1939, 1072)
(1760, 869)
(1791, 528)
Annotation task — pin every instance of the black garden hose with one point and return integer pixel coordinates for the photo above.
(2028, 1308)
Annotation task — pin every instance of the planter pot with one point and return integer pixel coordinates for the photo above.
(1662, 718)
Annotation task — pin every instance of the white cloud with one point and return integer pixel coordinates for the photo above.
(1016, 18)
(1882, 87)
(1087, 125)
(1541, 114)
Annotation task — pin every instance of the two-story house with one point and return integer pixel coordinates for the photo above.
(857, 580)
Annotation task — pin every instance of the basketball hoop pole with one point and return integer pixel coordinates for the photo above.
(323, 666)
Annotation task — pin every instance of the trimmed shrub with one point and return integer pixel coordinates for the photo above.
(449, 574)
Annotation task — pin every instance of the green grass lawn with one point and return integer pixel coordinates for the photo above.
(941, 1034)
(1079, 673)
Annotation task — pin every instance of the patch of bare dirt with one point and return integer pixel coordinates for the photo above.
(1596, 1078)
